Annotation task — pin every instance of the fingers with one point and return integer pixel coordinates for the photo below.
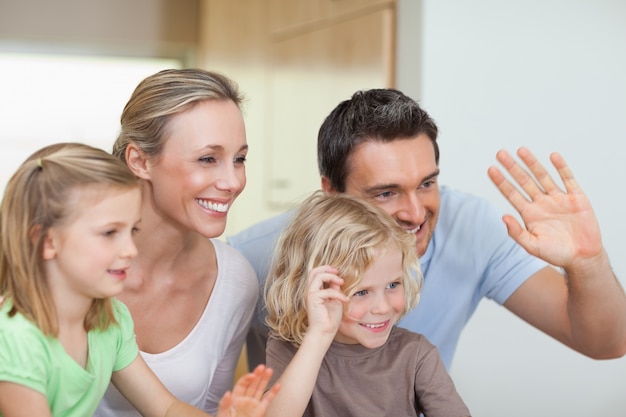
(564, 172)
(224, 405)
(533, 186)
(536, 181)
(326, 284)
(269, 395)
(253, 384)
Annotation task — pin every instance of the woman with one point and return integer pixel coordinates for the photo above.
(191, 296)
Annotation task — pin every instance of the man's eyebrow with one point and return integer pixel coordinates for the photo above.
(381, 187)
(431, 176)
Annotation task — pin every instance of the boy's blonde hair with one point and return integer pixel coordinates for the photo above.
(36, 199)
(338, 230)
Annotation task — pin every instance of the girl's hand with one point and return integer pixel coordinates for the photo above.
(247, 398)
(324, 300)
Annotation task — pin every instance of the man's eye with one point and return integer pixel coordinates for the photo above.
(429, 183)
(385, 194)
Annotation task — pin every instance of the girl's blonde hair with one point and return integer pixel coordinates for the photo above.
(164, 94)
(36, 199)
(338, 230)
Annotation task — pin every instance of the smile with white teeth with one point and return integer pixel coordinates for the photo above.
(415, 230)
(221, 208)
(374, 326)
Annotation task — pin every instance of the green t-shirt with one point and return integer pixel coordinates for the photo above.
(30, 358)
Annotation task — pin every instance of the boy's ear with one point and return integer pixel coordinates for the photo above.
(136, 161)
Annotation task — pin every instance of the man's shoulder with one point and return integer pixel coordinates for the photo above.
(264, 232)
(457, 205)
(454, 197)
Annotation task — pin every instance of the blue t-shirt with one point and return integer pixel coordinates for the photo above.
(30, 358)
(469, 257)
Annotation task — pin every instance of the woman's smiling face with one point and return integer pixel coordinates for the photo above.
(201, 169)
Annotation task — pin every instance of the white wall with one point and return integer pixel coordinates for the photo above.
(63, 98)
(550, 75)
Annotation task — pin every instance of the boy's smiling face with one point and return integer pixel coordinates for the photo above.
(377, 304)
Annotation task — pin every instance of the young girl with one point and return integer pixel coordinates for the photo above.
(343, 275)
(67, 222)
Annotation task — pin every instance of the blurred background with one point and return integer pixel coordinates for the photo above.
(547, 74)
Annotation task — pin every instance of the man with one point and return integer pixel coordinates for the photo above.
(382, 147)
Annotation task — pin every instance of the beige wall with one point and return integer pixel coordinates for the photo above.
(295, 60)
(161, 28)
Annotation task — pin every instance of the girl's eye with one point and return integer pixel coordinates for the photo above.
(360, 293)
(393, 285)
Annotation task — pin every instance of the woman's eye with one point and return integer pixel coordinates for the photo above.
(208, 159)
(240, 160)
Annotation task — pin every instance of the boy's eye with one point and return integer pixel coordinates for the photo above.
(394, 285)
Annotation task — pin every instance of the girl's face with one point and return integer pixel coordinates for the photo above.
(201, 169)
(377, 304)
(89, 254)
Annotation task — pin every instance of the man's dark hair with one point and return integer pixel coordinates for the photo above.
(382, 115)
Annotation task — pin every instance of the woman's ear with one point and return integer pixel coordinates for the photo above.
(136, 161)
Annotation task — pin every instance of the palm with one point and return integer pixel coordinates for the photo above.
(560, 227)
(249, 398)
(245, 407)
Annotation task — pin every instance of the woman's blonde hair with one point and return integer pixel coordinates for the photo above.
(36, 199)
(338, 230)
(158, 97)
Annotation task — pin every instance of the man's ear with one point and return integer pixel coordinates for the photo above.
(136, 161)
(327, 187)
